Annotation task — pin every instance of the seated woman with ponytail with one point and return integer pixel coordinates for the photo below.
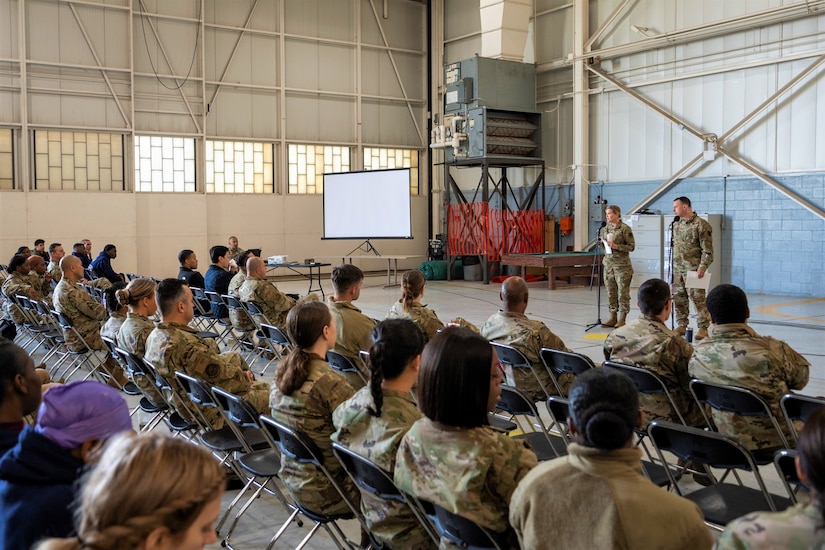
(149, 492)
(800, 526)
(410, 306)
(305, 393)
(139, 298)
(373, 421)
(597, 497)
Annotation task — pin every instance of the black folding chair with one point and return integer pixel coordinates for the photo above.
(785, 463)
(721, 502)
(741, 401)
(559, 362)
(373, 480)
(466, 533)
(344, 365)
(508, 356)
(297, 446)
(796, 407)
(544, 444)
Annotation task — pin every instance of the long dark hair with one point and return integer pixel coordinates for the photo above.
(454, 380)
(395, 342)
(412, 283)
(305, 324)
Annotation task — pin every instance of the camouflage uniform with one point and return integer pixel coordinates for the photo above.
(112, 326)
(240, 320)
(172, 347)
(17, 284)
(692, 250)
(646, 342)
(40, 285)
(735, 355)
(377, 438)
(353, 332)
(85, 314)
(54, 269)
(132, 337)
(797, 528)
(423, 317)
(618, 270)
(527, 336)
(471, 472)
(271, 301)
(309, 410)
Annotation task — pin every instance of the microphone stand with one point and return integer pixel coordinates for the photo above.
(672, 276)
(597, 266)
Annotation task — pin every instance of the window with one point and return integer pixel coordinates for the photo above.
(6, 159)
(380, 158)
(239, 167)
(308, 163)
(78, 160)
(164, 164)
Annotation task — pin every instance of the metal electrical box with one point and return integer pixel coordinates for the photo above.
(489, 110)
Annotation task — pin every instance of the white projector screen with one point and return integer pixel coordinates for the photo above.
(373, 204)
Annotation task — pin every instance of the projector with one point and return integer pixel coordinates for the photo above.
(281, 259)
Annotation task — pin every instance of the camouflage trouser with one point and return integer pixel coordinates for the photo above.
(682, 305)
(617, 280)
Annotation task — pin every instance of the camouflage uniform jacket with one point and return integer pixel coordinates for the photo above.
(423, 317)
(377, 438)
(613, 504)
(528, 336)
(471, 472)
(353, 329)
(172, 347)
(40, 285)
(17, 284)
(271, 301)
(133, 333)
(797, 528)
(83, 311)
(692, 245)
(309, 410)
(621, 234)
(235, 283)
(112, 326)
(735, 355)
(54, 269)
(646, 342)
(240, 320)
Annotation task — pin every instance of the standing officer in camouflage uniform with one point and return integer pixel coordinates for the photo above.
(510, 326)
(353, 328)
(735, 355)
(256, 289)
(85, 314)
(175, 346)
(692, 250)
(648, 343)
(617, 268)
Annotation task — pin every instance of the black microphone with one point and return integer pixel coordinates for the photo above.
(675, 219)
(601, 226)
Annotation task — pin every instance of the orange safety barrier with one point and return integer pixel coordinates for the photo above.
(475, 229)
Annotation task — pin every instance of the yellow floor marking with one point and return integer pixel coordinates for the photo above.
(771, 310)
(596, 336)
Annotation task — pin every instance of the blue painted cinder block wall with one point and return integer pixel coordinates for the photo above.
(771, 244)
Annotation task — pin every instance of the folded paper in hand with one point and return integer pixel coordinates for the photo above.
(692, 280)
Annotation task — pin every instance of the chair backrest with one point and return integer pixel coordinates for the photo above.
(559, 409)
(515, 402)
(565, 362)
(693, 444)
(797, 407)
(509, 355)
(213, 297)
(785, 462)
(197, 390)
(343, 364)
(646, 382)
(464, 532)
(292, 443)
(275, 335)
(256, 314)
(199, 299)
(236, 409)
(232, 302)
(367, 474)
(732, 399)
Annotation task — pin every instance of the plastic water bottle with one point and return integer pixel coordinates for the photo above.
(689, 335)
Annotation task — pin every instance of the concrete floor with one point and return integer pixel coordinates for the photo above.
(567, 312)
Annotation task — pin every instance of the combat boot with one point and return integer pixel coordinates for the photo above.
(702, 334)
(622, 319)
(610, 322)
(680, 330)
